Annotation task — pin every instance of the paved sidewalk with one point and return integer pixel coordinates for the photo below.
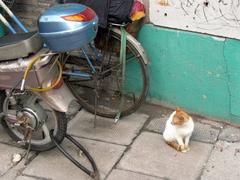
(133, 149)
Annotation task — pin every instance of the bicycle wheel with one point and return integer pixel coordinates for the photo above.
(113, 94)
(40, 117)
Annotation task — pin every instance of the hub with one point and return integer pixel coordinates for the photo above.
(31, 118)
(32, 114)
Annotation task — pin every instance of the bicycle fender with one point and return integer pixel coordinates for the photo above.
(135, 43)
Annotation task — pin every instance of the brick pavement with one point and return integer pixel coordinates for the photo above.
(133, 149)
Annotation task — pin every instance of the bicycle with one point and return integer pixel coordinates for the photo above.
(101, 83)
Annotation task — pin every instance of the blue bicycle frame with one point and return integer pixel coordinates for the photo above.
(14, 18)
(24, 29)
(84, 75)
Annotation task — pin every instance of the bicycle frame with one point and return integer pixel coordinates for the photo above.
(52, 97)
(83, 52)
(24, 29)
(82, 74)
(16, 20)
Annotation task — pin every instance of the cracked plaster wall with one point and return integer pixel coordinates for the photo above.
(216, 17)
(198, 72)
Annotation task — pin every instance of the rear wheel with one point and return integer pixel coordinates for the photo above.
(30, 110)
(113, 92)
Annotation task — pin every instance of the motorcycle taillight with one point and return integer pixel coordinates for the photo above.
(84, 16)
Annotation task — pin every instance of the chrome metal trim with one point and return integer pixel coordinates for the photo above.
(135, 43)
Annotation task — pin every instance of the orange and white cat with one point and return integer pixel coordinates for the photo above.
(178, 130)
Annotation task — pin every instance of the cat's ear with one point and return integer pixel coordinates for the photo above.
(178, 109)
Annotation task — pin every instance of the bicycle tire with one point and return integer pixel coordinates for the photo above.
(59, 132)
(108, 111)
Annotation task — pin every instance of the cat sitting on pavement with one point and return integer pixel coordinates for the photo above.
(178, 130)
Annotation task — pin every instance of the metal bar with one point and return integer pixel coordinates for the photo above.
(95, 52)
(88, 60)
(77, 74)
(94, 173)
(123, 62)
(6, 23)
(20, 25)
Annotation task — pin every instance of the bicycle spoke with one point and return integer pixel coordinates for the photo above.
(110, 86)
(46, 132)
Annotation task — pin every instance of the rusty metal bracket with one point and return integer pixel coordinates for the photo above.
(94, 173)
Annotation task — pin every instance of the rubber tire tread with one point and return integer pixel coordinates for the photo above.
(61, 131)
(90, 108)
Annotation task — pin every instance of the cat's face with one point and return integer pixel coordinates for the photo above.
(180, 117)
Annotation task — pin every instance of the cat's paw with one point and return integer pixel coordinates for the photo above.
(181, 148)
(186, 148)
(184, 151)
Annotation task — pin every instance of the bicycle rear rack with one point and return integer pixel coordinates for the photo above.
(13, 17)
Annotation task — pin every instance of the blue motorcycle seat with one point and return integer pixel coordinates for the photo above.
(19, 45)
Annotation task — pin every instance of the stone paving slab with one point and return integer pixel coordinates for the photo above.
(14, 172)
(6, 155)
(202, 132)
(155, 110)
(117, 174)
(224, 162)
(230, 134)
(205, 133)
(106, 130)
(216, 124)
(4, 137)
(163, 113)
(150, 155)
(17, 169)
(53, 165)
(157, 124)
(26, 178)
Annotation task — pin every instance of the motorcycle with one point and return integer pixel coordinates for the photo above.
(33, 96)
(35, 102)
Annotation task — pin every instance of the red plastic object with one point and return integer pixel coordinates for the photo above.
(86, 15)
(138, 11)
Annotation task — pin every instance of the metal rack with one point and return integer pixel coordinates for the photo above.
(9, 3)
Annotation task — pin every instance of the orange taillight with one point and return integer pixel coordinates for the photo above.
(75, 17)
(86, 15)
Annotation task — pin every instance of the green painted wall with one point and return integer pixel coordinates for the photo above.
(1, 27)
(197, 72)
(1, 30)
